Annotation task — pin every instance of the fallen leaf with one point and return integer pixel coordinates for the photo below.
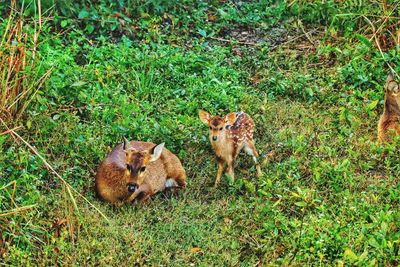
(57, 226)
(211, 17)
(61, 221)
(227, 220)
(195, 250)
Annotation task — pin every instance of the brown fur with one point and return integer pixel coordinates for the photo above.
(113, 176)
(389, 122)
(232, 133)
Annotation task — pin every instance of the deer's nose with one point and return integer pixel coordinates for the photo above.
(132, 187)
(214, 138)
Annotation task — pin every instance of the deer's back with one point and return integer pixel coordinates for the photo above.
(110, 184)
(243, 128)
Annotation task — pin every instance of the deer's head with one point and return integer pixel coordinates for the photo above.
(217, 124)
(136, 162)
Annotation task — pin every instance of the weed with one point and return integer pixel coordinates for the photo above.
(21, 75)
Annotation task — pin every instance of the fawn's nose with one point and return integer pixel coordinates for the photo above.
(214, 138)
(132, 187)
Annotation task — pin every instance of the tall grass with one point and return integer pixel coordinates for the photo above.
(20, 72)
(376, 20)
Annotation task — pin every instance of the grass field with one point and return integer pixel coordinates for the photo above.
(311, 74)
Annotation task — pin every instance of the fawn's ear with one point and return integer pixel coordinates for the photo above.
(230, 118)
(127, 144)
(156, 152)
(392, 87)
(204, 116)
(389, 77)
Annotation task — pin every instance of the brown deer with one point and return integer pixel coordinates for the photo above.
(228, 135)
(137, 170)
(389, 123)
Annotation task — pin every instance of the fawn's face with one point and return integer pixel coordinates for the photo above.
(392, 89)
(217, 124)
(136, 162)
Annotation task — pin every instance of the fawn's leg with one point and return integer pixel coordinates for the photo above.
(221, 167)
(231, 171)
(134, 195)
(176, 182)
(145, 199)
(181, 179)
(232, 160)
(251, 150)
(145, 193)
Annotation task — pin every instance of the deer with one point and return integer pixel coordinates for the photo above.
(228, 135)
(135, 170)
(389, 122)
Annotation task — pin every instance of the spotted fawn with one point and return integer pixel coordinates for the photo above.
(228, 135)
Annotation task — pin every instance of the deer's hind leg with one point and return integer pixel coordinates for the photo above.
(251, 150)
(180, 179)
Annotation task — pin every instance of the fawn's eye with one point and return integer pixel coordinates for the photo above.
(128, 167)
(221, 128)
(210, 128)
(142, 169)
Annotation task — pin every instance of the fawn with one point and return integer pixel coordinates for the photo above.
(389, 123)
(137, 170)
(228, 135)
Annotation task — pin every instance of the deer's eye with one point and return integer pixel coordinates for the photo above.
(142, 169)
(128, 167)
(210, 128)
(221, 128)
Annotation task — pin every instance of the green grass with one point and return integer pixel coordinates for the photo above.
(329, 194)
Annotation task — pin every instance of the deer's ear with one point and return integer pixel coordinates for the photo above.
(230, 118)
(127, 144)
(156, 152)
(204, 116)
(392, 87)
(389, 78)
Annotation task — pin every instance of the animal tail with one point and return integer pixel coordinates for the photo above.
(171, 183)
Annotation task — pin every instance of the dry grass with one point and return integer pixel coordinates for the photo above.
(21, 75)
(70, 204)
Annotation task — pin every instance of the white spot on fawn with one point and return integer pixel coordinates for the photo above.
(170, 183)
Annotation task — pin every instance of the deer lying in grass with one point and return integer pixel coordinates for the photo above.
(137, 170)
(389, 123)
(228, 135)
